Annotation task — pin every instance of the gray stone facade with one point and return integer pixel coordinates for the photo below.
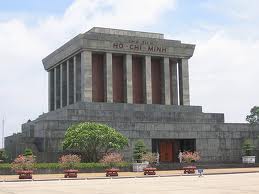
(71, 73)
(215, 140)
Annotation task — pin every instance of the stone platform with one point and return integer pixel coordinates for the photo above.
(215, 140)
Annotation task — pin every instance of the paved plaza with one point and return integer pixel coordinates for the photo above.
(231, 183)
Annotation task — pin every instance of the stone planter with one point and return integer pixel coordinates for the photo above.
(139, 167)
(150, 171)
(189, 169)
(70, 173)
(112, 172)
(24, 174)
(248, 159)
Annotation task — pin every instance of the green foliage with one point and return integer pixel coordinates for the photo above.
(248, 147)
(93, 140)
(253, 118)
(77, 166)
(3, 156)
(28, 152)
(139, 150)
(5, 166)
(47, 165)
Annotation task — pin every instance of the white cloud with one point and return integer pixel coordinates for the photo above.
(23, 81)
(223, 76)
(237, 9)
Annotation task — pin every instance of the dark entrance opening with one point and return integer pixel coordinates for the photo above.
(168, 149)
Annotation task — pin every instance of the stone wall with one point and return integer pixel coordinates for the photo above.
(215, 140)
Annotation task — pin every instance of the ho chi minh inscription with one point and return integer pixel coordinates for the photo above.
(144, 46)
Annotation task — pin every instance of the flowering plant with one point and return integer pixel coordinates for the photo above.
(150, 157)
(111, 159)
(69, 161)
(23, 163)
(189, 157)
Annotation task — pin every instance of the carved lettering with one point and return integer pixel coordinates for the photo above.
(115, 45)
(158, 49)
(150, 48)
(143, 46)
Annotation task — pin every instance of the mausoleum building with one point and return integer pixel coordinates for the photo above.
(136, 82)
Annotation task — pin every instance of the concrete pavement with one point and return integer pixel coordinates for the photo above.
(226, 183)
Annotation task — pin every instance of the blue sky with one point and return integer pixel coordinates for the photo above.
(35, 6)
(223, 71)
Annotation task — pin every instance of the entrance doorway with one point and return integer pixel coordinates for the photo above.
(168, 149)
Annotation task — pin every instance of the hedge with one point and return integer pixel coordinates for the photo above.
(79, 166)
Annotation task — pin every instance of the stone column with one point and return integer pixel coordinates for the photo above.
(75, 77)
(147, 76)
(108, 77)
(128, 77)
(50, 90)
(174, 84)
(184, 82)
(55, 88)
(67, 82)
(166, 81)
(86, 76)
(61, 85)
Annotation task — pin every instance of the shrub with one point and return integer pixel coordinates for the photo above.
(3, 156)
(139, 150)
(23, 163)
(189, 157)
(5, 166)
(150, 157)
(28, 152)
(77, 165)
(69, 161)
(248, 147)
(111, 159)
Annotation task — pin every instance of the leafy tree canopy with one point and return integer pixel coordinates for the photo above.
(93, 140)
(253, 118)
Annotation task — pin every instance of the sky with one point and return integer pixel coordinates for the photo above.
(223, 70)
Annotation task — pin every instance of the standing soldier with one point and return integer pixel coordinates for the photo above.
(180, 156)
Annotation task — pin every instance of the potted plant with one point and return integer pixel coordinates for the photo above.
(248, 148)
(189, 158)
(151, 158)
(23, 166)
(69, 163)
(138, 151)
(111, 159)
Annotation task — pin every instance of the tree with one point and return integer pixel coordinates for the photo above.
(139, 150)
(248, 147)
(3, 156)
(253, 118)
(28, 152)
(93, 140)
